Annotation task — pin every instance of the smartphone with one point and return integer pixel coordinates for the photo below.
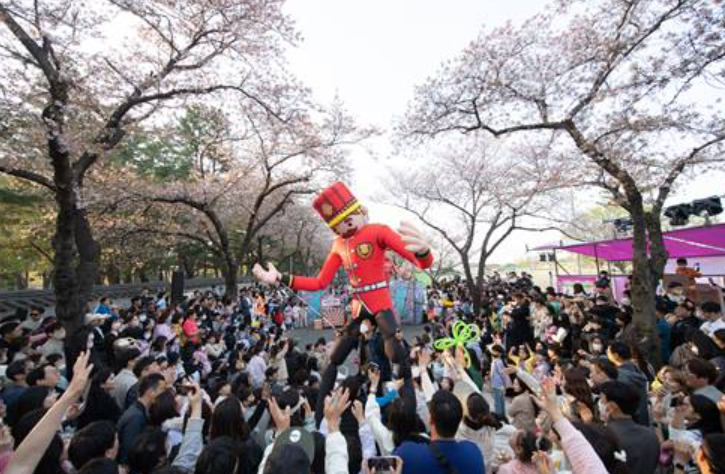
(675, 402)
(383, 464)
(185, 390)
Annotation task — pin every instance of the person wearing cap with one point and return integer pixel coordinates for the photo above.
(293, 449)
(360, 249)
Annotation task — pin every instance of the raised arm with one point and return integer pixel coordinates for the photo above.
(409, 244)
(31, 450)
(584, 459)
(323, 279)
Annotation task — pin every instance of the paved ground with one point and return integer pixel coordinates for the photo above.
(309, 336)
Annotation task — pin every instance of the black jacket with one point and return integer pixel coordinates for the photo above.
(640, 443)
(130, 426)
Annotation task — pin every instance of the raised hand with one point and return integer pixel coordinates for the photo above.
(548, 401)
(335, 405)
(358, 411)
(81, 373)
(543, 463)
(423, 358)
(270, 277)
(282, 419)
(461, 357)
(415, 242)
(374, 376)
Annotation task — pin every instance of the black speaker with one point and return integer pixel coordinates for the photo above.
(177, 288)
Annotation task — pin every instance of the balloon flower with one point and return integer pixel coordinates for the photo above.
(462, 334)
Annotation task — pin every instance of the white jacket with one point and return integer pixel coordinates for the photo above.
(383, 436)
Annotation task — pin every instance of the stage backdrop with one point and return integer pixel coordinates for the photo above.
(409, 302)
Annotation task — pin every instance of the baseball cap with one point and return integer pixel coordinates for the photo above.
(293, 451)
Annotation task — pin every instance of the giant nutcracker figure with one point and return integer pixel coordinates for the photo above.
(360, 248)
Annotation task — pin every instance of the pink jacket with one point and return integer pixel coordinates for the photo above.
(517, 467)
(581, 455)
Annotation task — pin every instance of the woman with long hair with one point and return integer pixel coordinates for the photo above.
(165, 413)
(404, 424)
(100, 405)
(228, 420)
(479, 426)
(702, 415)
(578, 395)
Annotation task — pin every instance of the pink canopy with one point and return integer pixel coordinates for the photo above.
(708, 241)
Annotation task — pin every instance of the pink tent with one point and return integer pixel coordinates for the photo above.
(707, 241)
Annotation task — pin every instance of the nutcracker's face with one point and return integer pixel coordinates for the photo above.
(352, 223)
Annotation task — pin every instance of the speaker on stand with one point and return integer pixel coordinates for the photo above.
(177, 287)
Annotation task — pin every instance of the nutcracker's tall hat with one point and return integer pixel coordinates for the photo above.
(335, 203)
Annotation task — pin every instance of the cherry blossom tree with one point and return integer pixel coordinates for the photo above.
(82, 74)
(631, 87)
(474, 194)
(266, 168)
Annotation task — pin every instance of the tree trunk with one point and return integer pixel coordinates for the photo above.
(229, 273)
(20, 282)
(473, 289)
(89, 253)
(46, 280)
(113, 274)
(68, 306)
(141, 272)
(644, 285)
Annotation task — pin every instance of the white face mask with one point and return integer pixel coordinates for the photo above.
(597, 347)
(142, 318)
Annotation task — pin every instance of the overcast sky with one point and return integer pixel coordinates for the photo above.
(372, 53)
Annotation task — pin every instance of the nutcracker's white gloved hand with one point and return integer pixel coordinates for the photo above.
(415, 242)
(270, 277)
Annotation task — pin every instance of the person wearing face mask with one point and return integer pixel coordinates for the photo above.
(685, 322)
(618, 402)
(695, 419)
(596, 348)
(674, 295)
(621, 355)
(712, 317)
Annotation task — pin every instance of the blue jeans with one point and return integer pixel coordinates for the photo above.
(499, 401)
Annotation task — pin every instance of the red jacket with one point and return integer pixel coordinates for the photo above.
(363, 257)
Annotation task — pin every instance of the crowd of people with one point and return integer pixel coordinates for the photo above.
(216, 386)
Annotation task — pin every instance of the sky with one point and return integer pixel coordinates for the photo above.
(372, 54)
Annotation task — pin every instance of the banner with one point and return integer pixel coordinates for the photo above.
(332, 311)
